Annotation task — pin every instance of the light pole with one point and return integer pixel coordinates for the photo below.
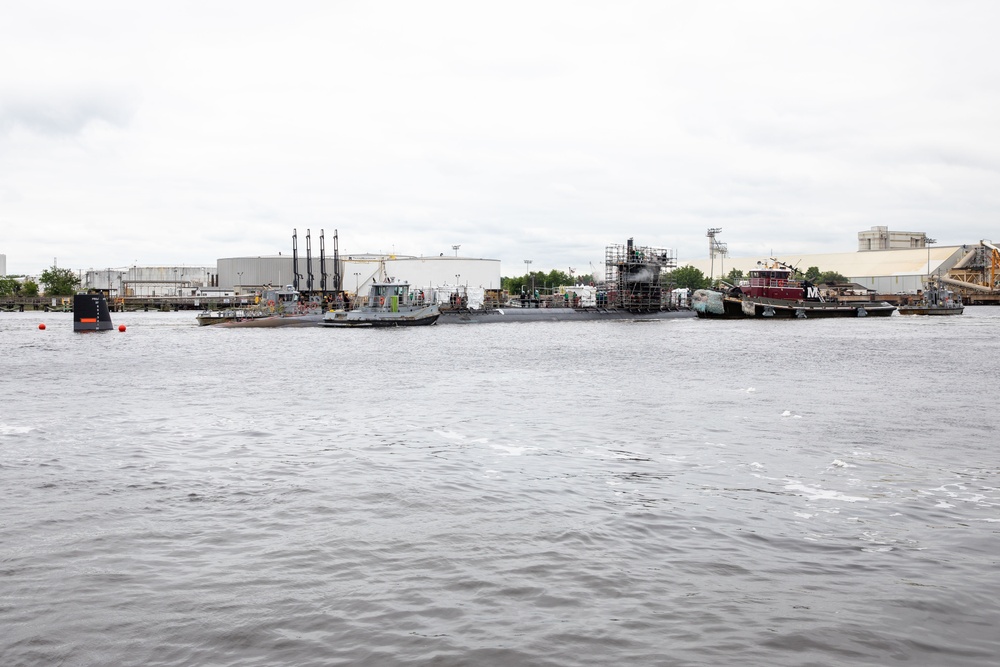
(527, 272)
(175, 282)
(455, 248)
(240, 275)
(712, 231)
(928, 242)
(356, 274)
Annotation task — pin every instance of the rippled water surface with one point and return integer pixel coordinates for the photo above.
(681, 492)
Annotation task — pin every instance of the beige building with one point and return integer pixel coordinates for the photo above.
(880, 238)
(887, 262)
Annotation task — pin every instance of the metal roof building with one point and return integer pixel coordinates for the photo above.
(885, 271)
(149, 281)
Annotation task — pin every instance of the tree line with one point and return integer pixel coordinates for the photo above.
(692, 278)
(54, 282)
(539, 280)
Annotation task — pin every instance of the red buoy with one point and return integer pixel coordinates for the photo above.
(121, 327)
(42, 326)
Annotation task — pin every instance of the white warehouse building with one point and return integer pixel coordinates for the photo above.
(247, 274)
(149, 281)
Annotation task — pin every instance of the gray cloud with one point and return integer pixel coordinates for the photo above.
(64, 113)
(522, 130)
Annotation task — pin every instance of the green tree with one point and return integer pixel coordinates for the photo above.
(59, 282)
(512, 284)
(734, 277)
(689, 277)
(555, 278)
(812, 274)
(9, 285)
(830, 277)
(541, 280)
(29, 288)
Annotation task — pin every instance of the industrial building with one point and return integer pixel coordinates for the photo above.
(247, 274)
(352, 272)
(887, 262)
(243, 275)
(880, 238)
(150, 281)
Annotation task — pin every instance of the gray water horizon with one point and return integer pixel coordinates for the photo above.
(681, 492)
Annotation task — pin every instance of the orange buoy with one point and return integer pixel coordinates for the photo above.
(42, 326)
(121, 327)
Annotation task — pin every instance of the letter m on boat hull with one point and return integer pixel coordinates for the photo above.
(812, 292)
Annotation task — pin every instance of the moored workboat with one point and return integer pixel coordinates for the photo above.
(389, 304)
(773, 291)
(935, 300)
(272, 308)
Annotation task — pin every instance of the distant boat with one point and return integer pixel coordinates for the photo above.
(772, 291)
(935, 300)
(389, 304)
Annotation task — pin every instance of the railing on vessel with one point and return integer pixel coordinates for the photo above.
(774, 282)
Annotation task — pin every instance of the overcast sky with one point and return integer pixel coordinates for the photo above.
(180, 132)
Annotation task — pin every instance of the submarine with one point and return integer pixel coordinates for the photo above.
(91, 312)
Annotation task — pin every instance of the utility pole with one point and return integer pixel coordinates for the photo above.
(928, 242)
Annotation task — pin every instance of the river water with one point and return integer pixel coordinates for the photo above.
(682, 492)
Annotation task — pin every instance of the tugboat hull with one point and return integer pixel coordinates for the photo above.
(715, 305)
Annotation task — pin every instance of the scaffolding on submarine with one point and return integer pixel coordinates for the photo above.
(632, 276)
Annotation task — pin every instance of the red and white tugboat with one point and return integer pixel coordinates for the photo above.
(773, 291)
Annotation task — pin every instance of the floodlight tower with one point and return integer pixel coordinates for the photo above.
(712, 248)
(928, 242)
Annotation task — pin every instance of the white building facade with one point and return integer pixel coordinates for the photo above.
(149, 281)
(357, 271)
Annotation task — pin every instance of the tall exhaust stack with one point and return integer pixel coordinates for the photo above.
(338, 281)
(322, 263)
(309, 261)
(295, 260)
